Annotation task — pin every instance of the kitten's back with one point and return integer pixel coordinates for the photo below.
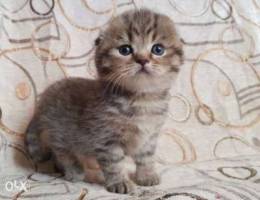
(59, 101)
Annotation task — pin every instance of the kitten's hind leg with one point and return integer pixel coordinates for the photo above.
(110, 159)
(69, 166)
(34, 141)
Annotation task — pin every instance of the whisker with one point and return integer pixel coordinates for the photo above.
(114, 80)
(110, 79)
(119, 80)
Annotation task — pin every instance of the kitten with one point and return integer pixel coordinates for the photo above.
(137, 58)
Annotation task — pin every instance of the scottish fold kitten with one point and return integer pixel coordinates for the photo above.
(120, 114)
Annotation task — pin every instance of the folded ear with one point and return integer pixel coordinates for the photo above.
(99, 39)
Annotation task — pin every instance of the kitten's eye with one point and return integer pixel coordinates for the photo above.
(158, 49)
(125, 50)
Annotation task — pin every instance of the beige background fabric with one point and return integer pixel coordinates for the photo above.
(209, 146)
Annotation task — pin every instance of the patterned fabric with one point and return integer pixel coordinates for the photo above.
(209, 147)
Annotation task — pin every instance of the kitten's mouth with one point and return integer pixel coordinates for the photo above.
(143, 70)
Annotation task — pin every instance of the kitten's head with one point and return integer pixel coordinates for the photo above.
(139, 51)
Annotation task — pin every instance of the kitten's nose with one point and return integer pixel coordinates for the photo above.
(142, 61)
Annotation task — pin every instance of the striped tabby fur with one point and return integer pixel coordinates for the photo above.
(119, 114)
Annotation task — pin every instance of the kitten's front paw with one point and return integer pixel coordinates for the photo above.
(122, 187)
(149, 180)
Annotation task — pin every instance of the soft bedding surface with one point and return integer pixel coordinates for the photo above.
(209, 147)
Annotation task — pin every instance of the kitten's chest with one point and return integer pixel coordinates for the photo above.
(146, 115)
(149, 116)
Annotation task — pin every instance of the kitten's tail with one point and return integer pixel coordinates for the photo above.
(33, 142)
